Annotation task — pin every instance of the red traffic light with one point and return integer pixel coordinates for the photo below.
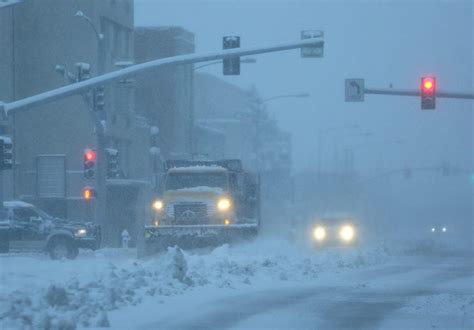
(88, 193)
(428, 84)
(89, 155)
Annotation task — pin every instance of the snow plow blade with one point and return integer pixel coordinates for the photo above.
(195, 236)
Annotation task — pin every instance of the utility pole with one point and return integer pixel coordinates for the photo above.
(321, 136)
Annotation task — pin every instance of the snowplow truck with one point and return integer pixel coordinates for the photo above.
(203, 203)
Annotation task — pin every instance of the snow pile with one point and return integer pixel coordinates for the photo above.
(275, 260)
(81, 292)
(84, 301)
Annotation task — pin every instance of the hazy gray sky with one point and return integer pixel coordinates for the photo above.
(385, 42)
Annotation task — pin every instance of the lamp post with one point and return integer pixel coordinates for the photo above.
(348, 153)
(100, 42)
(375, 144)
(322, 134)
(256, 117)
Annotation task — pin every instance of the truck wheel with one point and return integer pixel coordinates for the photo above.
(60, 248)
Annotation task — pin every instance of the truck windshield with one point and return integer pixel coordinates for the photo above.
(192, 180)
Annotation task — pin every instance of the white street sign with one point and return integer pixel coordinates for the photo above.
(312, 51)
(354, 90)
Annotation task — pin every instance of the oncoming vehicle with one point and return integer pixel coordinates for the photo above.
(24, 227)
(439, 230)
(335, 229)
(204, 202)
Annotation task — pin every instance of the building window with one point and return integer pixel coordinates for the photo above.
(118, 39)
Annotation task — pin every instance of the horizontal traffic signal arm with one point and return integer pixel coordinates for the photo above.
(417, 92)
(79, 87)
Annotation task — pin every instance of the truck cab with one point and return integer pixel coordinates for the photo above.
(205, 197)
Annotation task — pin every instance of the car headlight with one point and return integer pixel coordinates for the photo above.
(433, 229)
(224, 204)
(347, 233)
(444, 229)
(158, 205)
(319, 233)
(81, 232)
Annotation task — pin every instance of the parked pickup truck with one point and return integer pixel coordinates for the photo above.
(24, 227)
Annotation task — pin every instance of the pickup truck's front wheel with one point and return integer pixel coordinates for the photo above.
(61, 247)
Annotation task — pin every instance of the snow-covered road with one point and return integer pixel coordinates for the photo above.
(264, 284)
(407, 293)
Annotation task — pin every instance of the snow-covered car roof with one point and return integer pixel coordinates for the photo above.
(337, 215)
(16, 204)
(197, 169)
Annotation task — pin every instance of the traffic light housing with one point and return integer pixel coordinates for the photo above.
(428, 93)
(112, 163)
(88, 193)
(89, 163)
(99, 98)
(83, 71)
(6, 153)
(231, 65)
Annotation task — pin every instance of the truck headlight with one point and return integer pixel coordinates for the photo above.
(158, 205)
(319, 233)
(224, 204)
(81, 232)
(347, 233)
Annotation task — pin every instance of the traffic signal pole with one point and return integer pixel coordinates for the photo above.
(100, 211)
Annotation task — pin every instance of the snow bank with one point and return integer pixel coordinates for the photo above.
(38, 293)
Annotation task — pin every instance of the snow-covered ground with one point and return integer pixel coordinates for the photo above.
(41, 293)
(111, 287)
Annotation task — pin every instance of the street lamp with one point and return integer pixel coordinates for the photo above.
(374, 144)
(322, 134)
(100, 42)
(80, 14)
(348, 152)
(244, 60)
